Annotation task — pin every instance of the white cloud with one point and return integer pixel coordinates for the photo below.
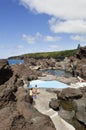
(78, 38)
(28, 39)
(32, 39)
(68, 26)
(51, 38)
(39, 37)
(67, 9)
(70, 13)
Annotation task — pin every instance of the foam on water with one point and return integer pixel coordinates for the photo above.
(47, 84)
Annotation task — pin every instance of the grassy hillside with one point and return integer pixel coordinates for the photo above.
(41, 55)
(51, 54)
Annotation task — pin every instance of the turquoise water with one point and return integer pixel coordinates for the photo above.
(47, 84)
(13, 61)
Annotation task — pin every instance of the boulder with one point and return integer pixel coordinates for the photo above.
(69, 93)
(67, 115)
(80, 107)
(54, 104)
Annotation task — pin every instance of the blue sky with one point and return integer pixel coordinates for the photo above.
(28, 26)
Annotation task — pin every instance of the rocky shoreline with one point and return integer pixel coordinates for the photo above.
(16, 105)
(16, 109)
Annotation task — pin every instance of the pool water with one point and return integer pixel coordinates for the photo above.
(47, 84)
(14, 61)
(57, 72)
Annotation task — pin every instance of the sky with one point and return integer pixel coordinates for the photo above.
(29, 26)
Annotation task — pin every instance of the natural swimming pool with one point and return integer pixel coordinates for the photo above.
(57, 72)
(14, 61)
(47, 84)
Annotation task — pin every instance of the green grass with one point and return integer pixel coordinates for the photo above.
(66, 53)
(57, 54)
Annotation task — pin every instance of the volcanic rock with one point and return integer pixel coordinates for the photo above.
(69, 93)
(54, 104)
(5, 71)
(80, 107)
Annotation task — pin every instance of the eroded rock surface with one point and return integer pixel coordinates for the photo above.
(16, 105)
(73, 106)
(80, 107)
(70, 93)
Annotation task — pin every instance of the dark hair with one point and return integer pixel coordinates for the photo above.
(36, 85)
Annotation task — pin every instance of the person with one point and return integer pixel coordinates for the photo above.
(30, 96)
(62, 76)
(35, 92)
(31, 93)
(80, 79)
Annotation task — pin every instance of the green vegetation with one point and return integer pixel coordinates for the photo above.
(41, 55)
(65, 53)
